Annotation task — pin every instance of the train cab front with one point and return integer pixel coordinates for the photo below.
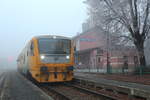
(55, 60)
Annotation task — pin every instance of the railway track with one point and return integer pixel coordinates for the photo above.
(73, 91)
(76, 91)
(67, 91)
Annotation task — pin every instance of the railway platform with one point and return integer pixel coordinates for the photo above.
(14, 86)
(129, 88)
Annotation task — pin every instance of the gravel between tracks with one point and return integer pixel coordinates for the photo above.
(73, 93)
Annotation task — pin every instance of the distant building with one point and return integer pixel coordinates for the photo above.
(90, 39)
(94, 54)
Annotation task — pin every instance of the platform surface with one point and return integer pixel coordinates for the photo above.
(16, 87)
(139, 88)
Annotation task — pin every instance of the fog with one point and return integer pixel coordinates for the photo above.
(22, 19)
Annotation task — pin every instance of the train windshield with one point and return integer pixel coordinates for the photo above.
(54, 46)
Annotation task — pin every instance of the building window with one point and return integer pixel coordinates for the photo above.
(125, 58)
(135, 60)
(99, 59)
(125, 62)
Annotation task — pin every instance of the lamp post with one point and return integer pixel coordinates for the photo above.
(108, 58)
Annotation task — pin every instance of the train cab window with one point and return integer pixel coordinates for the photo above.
(54, 46)
(32, 49)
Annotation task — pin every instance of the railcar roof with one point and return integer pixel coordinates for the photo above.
(51, 36)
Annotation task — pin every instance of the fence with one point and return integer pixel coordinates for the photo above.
(121, 70)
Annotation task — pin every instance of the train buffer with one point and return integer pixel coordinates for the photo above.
(131, 89)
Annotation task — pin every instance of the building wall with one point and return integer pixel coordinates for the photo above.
(93, 59)
(90, 39)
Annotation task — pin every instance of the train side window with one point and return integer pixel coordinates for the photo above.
(32, 49)
(23, 59)
(75, 49)
(27, 53)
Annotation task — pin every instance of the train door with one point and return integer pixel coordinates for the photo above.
(32, 57)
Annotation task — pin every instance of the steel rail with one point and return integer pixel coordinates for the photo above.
(80, 89)
(51, 89)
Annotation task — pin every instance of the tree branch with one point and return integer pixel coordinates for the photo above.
(146, 19)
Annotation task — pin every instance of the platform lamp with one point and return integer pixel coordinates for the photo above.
(108, 50)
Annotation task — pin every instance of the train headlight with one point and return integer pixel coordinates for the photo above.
(67, 57)
(42, 57)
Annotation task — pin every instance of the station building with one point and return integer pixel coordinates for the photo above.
(147, 52)
(95, 53)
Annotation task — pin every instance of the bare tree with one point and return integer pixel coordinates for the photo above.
(128, 17)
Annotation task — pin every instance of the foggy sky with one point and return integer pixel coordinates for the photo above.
(22, 19)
